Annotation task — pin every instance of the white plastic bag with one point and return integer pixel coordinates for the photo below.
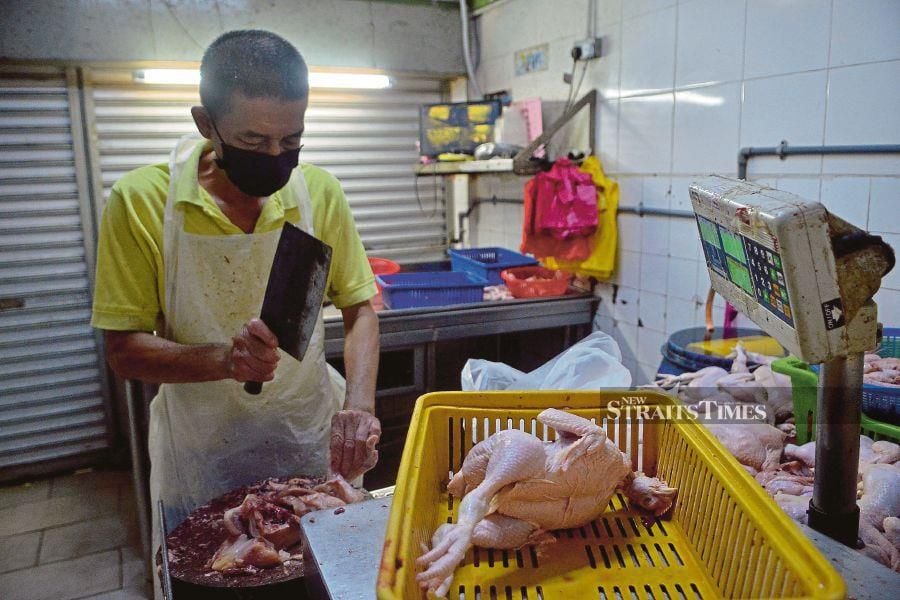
(594, 363)
(482, 375)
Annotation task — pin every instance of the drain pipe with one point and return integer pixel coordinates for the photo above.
(467, 55)
(783, 150)
(475, 204)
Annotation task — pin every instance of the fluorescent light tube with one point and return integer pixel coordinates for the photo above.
(316, 79)
(370, 81)
(168, 76)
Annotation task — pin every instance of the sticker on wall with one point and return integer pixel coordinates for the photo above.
(529, 60)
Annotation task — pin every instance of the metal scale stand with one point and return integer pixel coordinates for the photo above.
(807, 278)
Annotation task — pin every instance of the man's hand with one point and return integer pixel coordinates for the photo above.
(254, 353)
(354, 434)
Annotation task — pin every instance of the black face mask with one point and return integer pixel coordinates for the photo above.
(256, 173)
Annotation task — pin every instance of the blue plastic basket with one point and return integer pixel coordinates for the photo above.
(486, 263)
(881, 402)
(439, 288)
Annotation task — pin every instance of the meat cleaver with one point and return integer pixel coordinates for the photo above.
(294, 292)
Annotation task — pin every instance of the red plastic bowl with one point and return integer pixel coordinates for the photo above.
(383, 266)
(549, 282)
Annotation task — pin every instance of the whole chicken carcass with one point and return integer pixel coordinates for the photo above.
(757, 446)
(515, 487)
(881, 502)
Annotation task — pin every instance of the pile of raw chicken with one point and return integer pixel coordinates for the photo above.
(785, 470)
(881, 371)
(267, 523)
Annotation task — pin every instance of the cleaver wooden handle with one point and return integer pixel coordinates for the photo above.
(253, 387)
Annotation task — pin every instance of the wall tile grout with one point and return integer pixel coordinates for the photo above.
(723, 82)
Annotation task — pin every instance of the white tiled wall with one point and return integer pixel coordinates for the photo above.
(685, 84)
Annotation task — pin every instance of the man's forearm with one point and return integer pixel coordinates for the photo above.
(149, 358)
(360, 356)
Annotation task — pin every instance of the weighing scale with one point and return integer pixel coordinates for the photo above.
(806, 277)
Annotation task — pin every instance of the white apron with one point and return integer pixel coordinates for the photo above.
(208, 438)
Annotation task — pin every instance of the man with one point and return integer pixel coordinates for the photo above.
(185, 250)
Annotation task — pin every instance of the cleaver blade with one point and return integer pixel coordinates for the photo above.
(294, 292)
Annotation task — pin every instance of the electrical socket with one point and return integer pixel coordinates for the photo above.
(587, 49)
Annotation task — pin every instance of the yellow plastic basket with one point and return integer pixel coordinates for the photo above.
(725, 537)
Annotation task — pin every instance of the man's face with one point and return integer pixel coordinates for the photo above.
(266, 125)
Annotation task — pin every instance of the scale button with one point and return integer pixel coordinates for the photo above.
(781, 278)
(784, 295)
(787, 311)
(777, 261)
(780, 305)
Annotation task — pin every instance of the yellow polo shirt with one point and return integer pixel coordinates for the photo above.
(129, 291)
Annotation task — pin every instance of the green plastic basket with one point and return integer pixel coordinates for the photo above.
(804, 382)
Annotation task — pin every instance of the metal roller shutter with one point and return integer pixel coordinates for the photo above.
(365, 138)
(52, 406)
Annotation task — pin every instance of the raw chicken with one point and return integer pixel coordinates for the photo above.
(794, 485)
(514, 488)
(755, 445)
(892, 530)
(339, 488)
(870, 453)
(881, 371)
(699, 383)
(805, 453)
(302, 503)
(264, 520)
(794, 467)
(886, 453)
(794, 506)
(301, 496)
(244, 555)
(878, 509)
(268, 521)
(779, 394)
(762, 386)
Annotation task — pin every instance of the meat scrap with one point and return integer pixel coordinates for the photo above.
(268, 522)
(243, 555)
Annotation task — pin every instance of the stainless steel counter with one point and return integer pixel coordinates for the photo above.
(342, 554)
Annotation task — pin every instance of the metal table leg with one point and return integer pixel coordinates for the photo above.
(833, 510)
(134, 398)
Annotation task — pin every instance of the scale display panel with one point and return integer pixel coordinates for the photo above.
(754, 268)
(803, 275)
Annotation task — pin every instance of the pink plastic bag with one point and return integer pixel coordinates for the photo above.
(566, 203)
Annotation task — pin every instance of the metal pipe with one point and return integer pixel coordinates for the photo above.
(467, 57)
(641, 210)
(833, 509)
(783, 150)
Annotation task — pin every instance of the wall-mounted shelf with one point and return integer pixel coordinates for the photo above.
(522, 163)
(494, 165)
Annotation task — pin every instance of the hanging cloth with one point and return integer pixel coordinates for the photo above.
(601, 260)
